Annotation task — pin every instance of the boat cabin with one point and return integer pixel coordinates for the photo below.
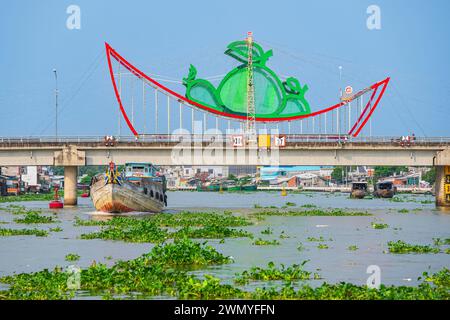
(140, 170)
(359, 186)
(384, 186)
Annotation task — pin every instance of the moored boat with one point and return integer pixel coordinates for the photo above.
(249, 187)
(139, 188)
(359, 190)
(384, 190)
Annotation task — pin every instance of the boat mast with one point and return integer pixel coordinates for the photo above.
(251, 112)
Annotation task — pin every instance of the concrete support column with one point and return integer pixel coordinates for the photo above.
(70, 185)
(442, 186)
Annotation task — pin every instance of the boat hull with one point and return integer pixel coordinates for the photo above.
(358, 194)
(127, 197)
(384, 193)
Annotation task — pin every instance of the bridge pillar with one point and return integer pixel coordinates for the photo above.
(442, 186)
(70, 185)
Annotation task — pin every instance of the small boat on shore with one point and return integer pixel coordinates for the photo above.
(217, 186)
(384, 190)
(249, 187)
(359, 190)
(139, 188)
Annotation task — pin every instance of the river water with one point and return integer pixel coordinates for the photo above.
(337, 263)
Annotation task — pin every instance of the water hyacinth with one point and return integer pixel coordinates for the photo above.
(402, 247)
(23, 232)
(163, 271)
(312, 212)
(376, 225)
(34, 217)
(155, 228)
(150, 274)
(28, 197)
(291, 273)
(72, 257)
(210, 232)
(261, 242)
(130, 230)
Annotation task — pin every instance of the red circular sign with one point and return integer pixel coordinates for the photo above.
(348, 90)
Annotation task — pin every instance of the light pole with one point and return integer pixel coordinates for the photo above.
(340, 98)
(56, 104)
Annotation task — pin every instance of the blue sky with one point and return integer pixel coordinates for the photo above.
(310, 40)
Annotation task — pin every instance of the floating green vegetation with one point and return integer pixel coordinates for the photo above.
(28, 197)
(15, 209)
(376, 225)
(290, 204)
(353, 248)
(440, 278)
(155, 273)
(23, 232)
(300, 247)
(72, 257)
(262, 242)
(165, 272)
(210, 232)
(314, 212)
(320, 239)
(184, 252)
(322, 246)
(309, 205)
(182, 219)
(57, 229)
(34, 216)
(130, 230)
(441, 242)
(403, 211)
(154, 228)
(409, 199)
(283, 235)
(348, 291)
(294, 272)
(403, 247)
(268, 230)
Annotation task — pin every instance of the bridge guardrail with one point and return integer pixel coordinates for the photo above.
(165, 138)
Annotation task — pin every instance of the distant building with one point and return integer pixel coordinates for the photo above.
(409, 179)
(241, 170)
(296, 176)
(213, 171)
(13, 171)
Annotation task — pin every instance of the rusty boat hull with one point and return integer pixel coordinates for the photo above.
(384, 193)
(147, 196)
(358, 194)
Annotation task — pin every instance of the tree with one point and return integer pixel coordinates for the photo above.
(86, 180)
(336, 175)
(430, 176)
(385, 171)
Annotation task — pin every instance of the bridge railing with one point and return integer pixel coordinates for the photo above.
(165, 138)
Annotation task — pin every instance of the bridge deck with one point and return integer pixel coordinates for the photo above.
(292, 141)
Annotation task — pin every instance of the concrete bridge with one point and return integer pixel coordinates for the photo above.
(71, 152)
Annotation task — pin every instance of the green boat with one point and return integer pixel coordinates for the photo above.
(212, 187)
(249, 187)
(233, 187)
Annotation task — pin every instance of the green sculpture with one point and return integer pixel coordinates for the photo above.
(273, 97)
